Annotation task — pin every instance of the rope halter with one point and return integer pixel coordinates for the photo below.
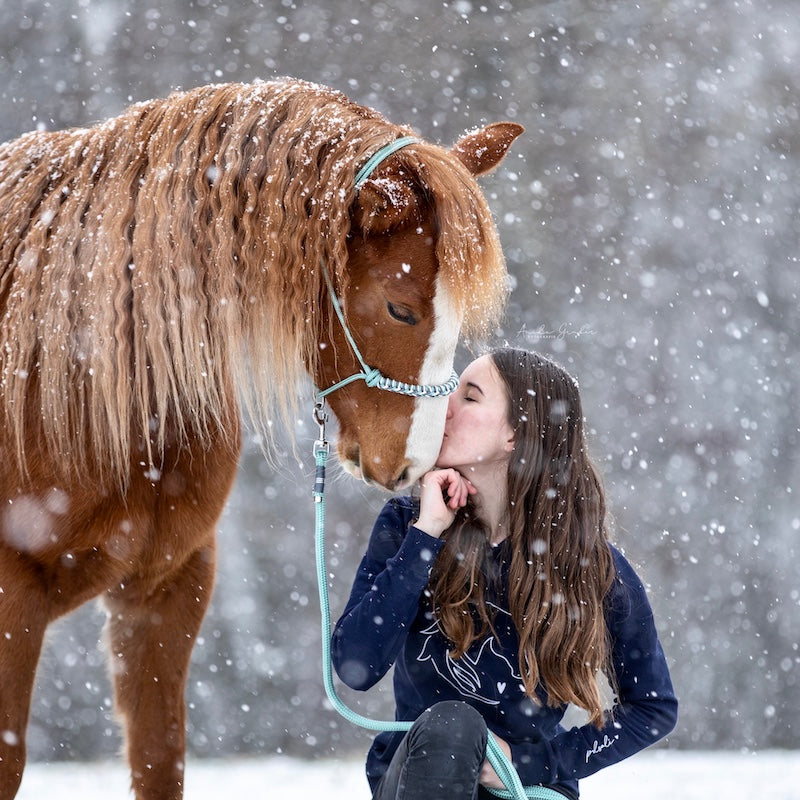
(371, 376)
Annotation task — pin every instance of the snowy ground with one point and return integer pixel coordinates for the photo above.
(657, 775)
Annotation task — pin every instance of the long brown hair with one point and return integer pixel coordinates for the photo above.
(561, 567)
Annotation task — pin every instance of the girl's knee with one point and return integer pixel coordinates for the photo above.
(452, 723)
(456, 712)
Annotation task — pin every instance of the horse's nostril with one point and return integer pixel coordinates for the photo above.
(402, 477)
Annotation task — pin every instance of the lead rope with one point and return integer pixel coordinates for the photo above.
(497, 758)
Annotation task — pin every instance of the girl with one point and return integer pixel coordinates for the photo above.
(499, 600)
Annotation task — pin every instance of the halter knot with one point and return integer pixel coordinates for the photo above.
(372, 377)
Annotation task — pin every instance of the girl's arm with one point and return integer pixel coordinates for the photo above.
(645, 710)
(384, 599)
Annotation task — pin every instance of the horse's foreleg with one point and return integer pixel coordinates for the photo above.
(23, 619)
(152, 630)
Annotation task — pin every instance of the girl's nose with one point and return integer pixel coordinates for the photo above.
(450, 401)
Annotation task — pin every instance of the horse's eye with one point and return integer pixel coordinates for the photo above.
(401, 314)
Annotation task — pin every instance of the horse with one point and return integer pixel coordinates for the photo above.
(165, 275)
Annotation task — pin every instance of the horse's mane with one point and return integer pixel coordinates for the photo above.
(151, 264)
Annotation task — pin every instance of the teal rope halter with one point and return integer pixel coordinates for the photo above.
(497, 758)
(372, 376)
(380, 155)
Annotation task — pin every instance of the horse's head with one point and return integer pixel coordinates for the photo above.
(420, 265)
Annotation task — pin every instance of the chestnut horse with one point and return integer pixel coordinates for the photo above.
(160, 270)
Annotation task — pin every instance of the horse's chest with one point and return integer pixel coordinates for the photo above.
(85, 542)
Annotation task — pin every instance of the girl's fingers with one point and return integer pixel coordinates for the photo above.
(436, 488)
(442, 493)
(459, 489)
(454, 491)
(452, 485)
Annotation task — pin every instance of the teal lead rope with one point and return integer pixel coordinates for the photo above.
(497, 758)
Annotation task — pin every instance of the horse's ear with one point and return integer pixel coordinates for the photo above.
(482, 150)
(385, 203)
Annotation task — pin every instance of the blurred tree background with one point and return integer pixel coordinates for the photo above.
(650, 221)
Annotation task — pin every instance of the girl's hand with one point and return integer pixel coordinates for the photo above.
(443, 492)
(488, 777)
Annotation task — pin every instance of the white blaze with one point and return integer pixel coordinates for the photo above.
(427, 423)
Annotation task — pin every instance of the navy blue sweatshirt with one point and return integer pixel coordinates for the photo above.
(389, 620)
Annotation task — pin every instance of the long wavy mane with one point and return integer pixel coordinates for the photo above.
(156, 262)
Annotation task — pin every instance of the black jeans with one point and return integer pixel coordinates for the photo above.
(440, 758)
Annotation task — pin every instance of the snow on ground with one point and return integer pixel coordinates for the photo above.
(655, 775)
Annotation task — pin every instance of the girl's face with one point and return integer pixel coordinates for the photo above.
(476, 430)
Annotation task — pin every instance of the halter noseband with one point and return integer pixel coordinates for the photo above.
(370, 375)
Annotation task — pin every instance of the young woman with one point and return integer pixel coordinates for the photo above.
(499, 600)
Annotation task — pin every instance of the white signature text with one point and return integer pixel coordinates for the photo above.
(598, 747)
